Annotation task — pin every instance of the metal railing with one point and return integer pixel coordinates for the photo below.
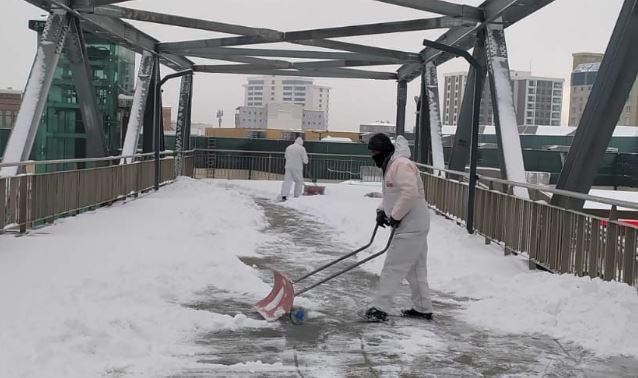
(31, 199)
(267, 165)
(554, 238)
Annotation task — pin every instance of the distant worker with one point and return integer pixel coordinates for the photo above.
(296, 157)
(404, 209)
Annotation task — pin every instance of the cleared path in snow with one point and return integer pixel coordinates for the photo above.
(332, 343)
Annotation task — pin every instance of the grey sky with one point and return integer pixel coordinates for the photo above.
(544, 42)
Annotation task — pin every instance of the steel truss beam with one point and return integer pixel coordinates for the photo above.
(75, 4)
(431, 83)
(609, 94)
(462, 139)
(182, 118)
(83, 80)
(511, 11)
(257, 35)
(138, 109)
(509, 141)
(402, 101)
(117, 31)
(35, 94)
(441, 7)
(334, 72)
(218, 52)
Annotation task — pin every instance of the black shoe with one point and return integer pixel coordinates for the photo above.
(283, 198)
(412, 313)
(375, 315)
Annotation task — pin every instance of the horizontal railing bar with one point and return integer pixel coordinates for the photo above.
(582, 196)
(278, 153)
(88, 160)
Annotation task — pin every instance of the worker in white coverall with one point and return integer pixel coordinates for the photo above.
(403, 208)
(296, 157)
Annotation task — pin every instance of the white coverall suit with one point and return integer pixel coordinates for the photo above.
(296, 157)
(403, 199)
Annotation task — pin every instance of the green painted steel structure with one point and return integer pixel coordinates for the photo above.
(61, 133)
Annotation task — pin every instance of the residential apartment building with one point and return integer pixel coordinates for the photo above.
(585, 69)
(537, 100)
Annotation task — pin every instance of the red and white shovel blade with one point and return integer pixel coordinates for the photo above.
(279, 301)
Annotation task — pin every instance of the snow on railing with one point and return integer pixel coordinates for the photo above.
(553, 238)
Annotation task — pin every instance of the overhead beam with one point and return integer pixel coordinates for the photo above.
(76, 4)
(121, 32)
(260, 34)
(440, 7)
(464, 37)
(186, 22)
(330, 44)
(217, 52)
(246, 69)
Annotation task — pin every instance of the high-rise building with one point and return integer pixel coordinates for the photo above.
(584, 72)
(454, 89)
(10, 101)
(537, 100)
(61, 134)
(284, 103)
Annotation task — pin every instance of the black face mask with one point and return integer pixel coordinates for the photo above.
(380, 158)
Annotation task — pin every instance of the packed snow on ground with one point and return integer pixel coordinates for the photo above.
(504, 295)
(104, 293)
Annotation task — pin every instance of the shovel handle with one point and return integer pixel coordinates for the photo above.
(387, 246)
(374, 233)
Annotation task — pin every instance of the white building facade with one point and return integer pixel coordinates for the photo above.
(284, 103)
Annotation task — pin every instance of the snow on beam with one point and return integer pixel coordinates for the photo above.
(509, 141)
(440, 7)
(182, 115)
(144, 79)
(432, 92)
(35, 94)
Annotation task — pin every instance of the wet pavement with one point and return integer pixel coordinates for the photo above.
(334, 343)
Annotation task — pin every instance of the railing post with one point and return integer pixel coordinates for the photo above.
(23, 210)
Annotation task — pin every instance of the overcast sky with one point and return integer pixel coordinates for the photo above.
(543, 42)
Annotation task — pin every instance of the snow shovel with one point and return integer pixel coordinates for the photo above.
(314, 189)
(280, 299)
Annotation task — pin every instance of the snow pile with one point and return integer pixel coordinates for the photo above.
(103, 293)
(503, 294)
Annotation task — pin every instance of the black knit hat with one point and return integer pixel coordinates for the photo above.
(380, 142)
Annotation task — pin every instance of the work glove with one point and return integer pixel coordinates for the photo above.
(394, 223)
(382, 219)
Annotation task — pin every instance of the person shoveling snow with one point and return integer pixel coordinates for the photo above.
(403, 208)
(296, 157)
